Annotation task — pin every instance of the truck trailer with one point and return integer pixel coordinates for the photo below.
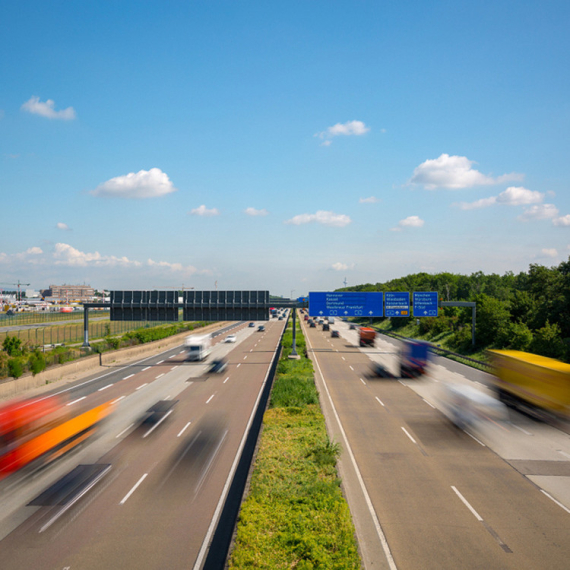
(534, 384)
(414, 358)
(366, 336)
(198, 346)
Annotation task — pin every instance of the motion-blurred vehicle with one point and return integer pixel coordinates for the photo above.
(367, 336)
(217, 366)
(414, 358)
(42, 429)
(466, 406)
(230, 338)
(159, 411)
(260, 328)
(534, 384)
(335, 334)
(198, 347)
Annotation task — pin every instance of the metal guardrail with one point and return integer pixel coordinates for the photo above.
(442, 351)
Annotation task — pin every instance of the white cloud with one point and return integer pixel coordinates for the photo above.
(203, 211)
(342, 266)
(350, 128)
(539, 212)
(62, 226)
(370, 200)
(321, 217)
(254, 212)
(34, 251)
(512, 196)
(519, 196)
(143, 184)
(47, 109)
(67, 255)
(562, 220)
(549, 252)
(454, 172)
(409, 222)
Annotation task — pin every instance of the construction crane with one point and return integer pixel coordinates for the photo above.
(18, 285)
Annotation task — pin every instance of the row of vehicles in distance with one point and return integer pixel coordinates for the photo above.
(326, 323)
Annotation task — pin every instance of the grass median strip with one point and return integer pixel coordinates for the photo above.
(295, 515)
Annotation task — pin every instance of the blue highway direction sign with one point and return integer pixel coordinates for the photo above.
(397, 304)
(345, 304)
(425, 304)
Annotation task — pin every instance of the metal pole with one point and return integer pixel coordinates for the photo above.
(86, 327)
(294, 348)
(473, 312)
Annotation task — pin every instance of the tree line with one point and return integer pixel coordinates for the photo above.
(528, 311)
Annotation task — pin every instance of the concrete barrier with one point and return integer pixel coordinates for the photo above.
(77, 369)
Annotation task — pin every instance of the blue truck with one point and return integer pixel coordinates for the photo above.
(414, 358)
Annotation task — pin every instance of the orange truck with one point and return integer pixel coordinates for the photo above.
(367, 336)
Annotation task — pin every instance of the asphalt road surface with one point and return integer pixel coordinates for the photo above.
(427, 495)
(159, 487)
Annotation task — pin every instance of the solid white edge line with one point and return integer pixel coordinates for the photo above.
(133, 489)
(129, 376)
(157, 424)
(553, 499)
(183, 429)
(367, 498)
(125, 430)
(104, 387)
(466, 503)
(73, 501)
(472, 436)
(78, 400)
(142, 386)
(225, 490)
(380, 401)
(408, 434)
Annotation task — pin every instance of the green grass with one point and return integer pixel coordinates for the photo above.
(295, 515)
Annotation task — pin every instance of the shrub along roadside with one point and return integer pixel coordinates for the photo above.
(295, 515)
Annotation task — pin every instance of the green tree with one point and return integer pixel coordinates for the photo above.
(493, 318)
(12, 345)
(548, 342)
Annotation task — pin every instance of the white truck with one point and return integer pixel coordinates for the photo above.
(198, 346)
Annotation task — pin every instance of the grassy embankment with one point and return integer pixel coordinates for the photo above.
(295, 515)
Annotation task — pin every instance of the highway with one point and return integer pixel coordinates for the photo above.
(425, 494)
(157, 489)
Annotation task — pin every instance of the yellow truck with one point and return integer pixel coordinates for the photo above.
(535, 384)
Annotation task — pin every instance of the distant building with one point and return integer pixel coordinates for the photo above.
(69, 293)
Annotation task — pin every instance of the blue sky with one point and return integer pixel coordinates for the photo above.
(281, 146)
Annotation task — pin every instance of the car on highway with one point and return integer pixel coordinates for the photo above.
(326, 327)
(280, 319)
(230, 338)
(312, 325)
(217, 366)
(260, 328)
(251, 325)
(335, 334)
(352, 327)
